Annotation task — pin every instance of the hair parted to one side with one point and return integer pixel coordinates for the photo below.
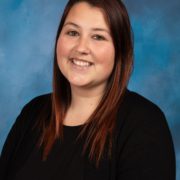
(99, 127)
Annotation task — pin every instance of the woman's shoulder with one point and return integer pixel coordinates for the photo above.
(27, 116)
(135, 102)
(38, 101)
(137, 111)
(141, 121)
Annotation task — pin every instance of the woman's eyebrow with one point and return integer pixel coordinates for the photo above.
(94, 29)
(71, 23)
(100, 29)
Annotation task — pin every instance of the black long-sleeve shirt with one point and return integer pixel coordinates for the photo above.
(142, 149)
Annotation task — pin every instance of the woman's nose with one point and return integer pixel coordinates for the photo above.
(82, 46)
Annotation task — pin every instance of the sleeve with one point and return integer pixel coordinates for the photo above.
(148, 151)
(14, 138)
(10, 145)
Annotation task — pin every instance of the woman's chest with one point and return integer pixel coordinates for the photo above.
(65, 162)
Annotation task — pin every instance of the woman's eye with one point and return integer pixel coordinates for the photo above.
(72, 33)
(98, 37)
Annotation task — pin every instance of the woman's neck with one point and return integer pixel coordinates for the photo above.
(85, 98)
(83, 104)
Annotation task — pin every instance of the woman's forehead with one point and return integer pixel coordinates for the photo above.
(84, 15)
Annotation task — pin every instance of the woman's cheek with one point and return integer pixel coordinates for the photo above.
(106, 53)
(62, 47)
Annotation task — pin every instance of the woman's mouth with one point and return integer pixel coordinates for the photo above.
(81, 63)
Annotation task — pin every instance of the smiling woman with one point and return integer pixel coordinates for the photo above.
(91, 126)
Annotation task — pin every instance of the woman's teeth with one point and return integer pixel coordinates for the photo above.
(81, 63)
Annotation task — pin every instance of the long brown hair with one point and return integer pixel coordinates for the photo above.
(99, 127)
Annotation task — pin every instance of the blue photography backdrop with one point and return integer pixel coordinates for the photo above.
(27, 35)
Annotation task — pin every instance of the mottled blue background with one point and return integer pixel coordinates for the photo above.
(27, 34)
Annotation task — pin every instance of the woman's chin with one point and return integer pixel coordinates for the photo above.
(79, 84)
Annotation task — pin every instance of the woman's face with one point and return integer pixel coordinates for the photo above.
(85, 50)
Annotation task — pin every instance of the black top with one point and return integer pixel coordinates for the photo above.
(142, 147)
(64, 162)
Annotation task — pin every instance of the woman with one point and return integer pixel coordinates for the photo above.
(90, 126)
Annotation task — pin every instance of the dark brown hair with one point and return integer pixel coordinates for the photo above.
(100, 126)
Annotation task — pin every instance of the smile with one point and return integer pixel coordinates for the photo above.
(81, 63)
